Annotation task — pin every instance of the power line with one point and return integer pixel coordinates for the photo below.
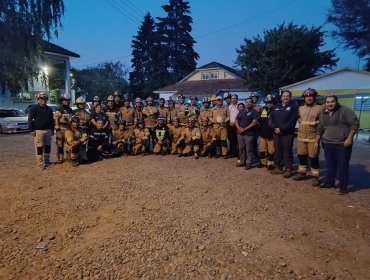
(133, 8)
(206, 34)
(127, 11)
(246, 20)
(122, 11)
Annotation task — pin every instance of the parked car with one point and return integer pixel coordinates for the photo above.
(13, 120)
(54, 107)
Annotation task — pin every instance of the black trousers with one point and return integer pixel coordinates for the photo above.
(232, 136)
(283, 145)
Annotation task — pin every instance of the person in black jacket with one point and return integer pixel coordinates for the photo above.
(41, 123)
(99, 142)
(266, 143)
(283, 120)
(161, 137)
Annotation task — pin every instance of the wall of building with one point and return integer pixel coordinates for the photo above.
(222, 74)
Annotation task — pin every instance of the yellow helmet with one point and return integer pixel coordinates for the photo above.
(42, 95)
(80, 100)
(213, 98)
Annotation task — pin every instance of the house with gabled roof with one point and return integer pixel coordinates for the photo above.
(211, 79)
(352, 87)
(57, 71)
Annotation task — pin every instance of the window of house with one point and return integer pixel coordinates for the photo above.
(365, 104)
(209, 75)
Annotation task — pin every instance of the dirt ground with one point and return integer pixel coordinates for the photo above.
(157, 217)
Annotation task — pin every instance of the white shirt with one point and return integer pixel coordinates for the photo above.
(233, 112)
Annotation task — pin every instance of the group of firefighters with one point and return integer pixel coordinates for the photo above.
(184, 129)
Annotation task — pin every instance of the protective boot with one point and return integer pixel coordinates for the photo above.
(315, 182)
(196, 156)
(40, 162)
(299, 177)
(287, 173)
(75, 162)
(47, 161)
(60, 159)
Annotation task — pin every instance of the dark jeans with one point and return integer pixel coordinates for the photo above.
(232, 135)
(246, 145)
(337, 159)
(283, 145)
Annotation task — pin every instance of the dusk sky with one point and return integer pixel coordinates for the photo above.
(102, 30)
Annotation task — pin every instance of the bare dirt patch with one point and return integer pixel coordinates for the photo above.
(157, 217)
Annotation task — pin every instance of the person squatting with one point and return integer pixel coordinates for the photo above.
(258, 136)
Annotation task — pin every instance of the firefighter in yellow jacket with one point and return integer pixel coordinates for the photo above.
(75, 138)
(307, 147)
(127, 113)
(220, 117)
(141, 135)
(122, 137)
(82, 114)
(208, 138)
(182, 110)
(61, 120)
(191, 136)
(175, 135)
(206, 111)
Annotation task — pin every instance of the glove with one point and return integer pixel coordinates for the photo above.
(33, 133)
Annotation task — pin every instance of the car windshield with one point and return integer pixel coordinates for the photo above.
(11, 113)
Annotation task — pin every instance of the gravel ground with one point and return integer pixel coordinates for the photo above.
(166, 217)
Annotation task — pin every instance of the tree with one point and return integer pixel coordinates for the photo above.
(24, 24)
(101, 80)
(176, 42)
(352, 18)
(145, 65)
(284, 55)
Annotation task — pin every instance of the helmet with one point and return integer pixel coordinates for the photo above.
(96, 98)
(309, 92)
(121, 121)
(206, 99)
(171, 101)
(80, 100)
(162, 99)
(254, 94)
(64, 96)
(137, 99)
(175, 118)
(160, 117)
(116, 93)
(193, 98)
(227, 95)
(218, 98)
(141, 120)
(213, 98)
(181, 96)
(42, 95)
(126, 99)
(149, 99)
(74, 118)
(270, 98)
(110, 98)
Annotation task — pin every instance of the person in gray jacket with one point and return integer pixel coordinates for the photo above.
(337, 126)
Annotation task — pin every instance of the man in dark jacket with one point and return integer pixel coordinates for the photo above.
(246, 125)
(41, 123)
(283, 120)
(98, 142)
(337, 126)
